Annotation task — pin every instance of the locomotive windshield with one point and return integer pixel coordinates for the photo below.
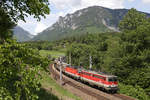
(112, 79)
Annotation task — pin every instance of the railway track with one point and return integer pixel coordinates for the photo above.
(97, 94)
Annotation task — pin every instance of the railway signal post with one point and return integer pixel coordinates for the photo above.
(70, 58)
(60, 65)
(90, 62)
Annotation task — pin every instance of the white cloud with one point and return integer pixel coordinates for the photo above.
(61, 8)
(131, 0)
(63, 4)
(35, 27)
(70, 6)
(146, 1)
(105, 3)
(40, 27)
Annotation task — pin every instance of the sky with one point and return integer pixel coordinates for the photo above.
(63, 7)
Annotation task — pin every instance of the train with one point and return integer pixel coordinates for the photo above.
(101, 80)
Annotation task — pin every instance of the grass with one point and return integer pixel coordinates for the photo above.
(49, 84)
(46, 95)
(53, 54)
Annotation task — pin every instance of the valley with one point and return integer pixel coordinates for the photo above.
(101, 50)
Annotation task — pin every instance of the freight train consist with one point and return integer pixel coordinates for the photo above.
(101, 80)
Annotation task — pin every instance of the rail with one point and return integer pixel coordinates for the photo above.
(99, 95)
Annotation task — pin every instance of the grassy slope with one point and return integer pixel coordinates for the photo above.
(54, 54)
(49, 85)
(52, 87)
(46, 95)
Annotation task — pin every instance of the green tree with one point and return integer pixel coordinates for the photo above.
(5, 26)
(19, 9)
(133, 67)
(13, 10)
(132, 20)
(19, 71)
(19, 66)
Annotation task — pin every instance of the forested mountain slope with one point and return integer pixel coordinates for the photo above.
(21, 35)
(94, 19)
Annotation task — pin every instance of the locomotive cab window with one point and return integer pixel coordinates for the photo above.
(112, 79)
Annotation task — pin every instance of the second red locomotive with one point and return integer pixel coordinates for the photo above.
(104, 81)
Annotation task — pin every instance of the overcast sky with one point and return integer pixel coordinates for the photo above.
(62, 7)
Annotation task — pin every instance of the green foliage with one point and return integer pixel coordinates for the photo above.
(124, 54)
(78, 51)
(136, 91)
(51, 85)
(140, 77)
(19, 66)
(19, 9)
(40, 45)
(5, 25)
(46, 95)
(13, 10)
(51, 54)
(19, 78)
(132, 20)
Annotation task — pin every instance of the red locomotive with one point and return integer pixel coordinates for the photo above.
(104, 81)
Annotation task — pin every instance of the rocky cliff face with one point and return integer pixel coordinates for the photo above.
(94, 19)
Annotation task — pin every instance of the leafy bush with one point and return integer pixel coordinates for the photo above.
(19, 71)
(134, 91)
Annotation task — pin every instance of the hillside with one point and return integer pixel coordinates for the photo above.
(94, 19)
(89, 20)
(21, 35)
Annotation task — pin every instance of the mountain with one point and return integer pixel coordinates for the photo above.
(21, 35)
(94, 19)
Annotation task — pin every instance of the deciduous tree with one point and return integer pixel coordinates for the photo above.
(19, 9)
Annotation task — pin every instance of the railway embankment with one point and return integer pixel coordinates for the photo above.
(84, 91)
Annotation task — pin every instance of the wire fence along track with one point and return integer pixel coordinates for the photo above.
(89, 92)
